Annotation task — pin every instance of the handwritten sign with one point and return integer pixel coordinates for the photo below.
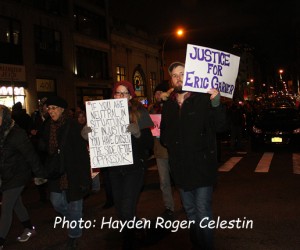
(207, 68)
(156, 118)
(109, 141)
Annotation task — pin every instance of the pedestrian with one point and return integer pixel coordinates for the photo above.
(188, 130)
(161, 156)
(39, 118)
(128, 180)
(62, 134)
(237, 123)
(16, 154)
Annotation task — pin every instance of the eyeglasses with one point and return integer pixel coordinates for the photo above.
(52, 108)
(118, 93)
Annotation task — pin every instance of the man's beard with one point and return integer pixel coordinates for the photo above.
(178, 89)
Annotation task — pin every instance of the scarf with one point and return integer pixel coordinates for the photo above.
(53, 146)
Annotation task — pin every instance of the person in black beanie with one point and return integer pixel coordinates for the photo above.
(62, 134)
(161, 155)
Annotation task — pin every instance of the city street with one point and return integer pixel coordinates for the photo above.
(261, 188)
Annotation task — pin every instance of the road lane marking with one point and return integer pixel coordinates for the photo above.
(296, 163)
(228, 165)
(264, 164)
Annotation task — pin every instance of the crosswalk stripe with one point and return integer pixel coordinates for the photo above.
(228, 165)
(296, 163)
(264, 163)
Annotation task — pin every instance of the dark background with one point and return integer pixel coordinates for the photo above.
(271, 27)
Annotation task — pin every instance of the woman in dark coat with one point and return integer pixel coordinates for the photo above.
(18, 159)
(67, 191)
(127, 180)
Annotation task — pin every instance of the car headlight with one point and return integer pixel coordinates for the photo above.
(296, 131)
(256, 130)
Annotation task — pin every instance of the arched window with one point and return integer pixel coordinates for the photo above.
(139, 81)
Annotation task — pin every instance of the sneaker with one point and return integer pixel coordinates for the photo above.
(26, 234)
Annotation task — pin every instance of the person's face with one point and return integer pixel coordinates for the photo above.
(122, 92)
(55, 112)
(81, 119)
(157, 96)
(177, 78)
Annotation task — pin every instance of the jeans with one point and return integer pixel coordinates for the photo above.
(165, 182)
(11, 201)
(96, 183)
(72, 211)
(197, 205)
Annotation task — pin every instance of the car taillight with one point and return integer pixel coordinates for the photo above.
(296, 131)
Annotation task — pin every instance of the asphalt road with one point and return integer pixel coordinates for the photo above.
(269, 201)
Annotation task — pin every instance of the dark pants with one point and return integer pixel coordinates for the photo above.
(126, 186)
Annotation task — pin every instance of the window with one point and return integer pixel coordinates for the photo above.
(55, 7)
(89, 23)
(120, 71)
(47, 46)
(10, 41)
(91, 63)
(139, 84)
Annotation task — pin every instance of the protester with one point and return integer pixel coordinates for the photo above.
(188, 130)
(127, 180)
(18, 159)
(39, 117)
(62, 134)
(161, 156)
(20, 117)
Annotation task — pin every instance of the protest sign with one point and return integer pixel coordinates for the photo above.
(109, 141)
(156, 118)
(207, 68)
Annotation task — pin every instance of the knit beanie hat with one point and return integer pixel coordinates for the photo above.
(56, 101)
(126, 84)
(164, 87)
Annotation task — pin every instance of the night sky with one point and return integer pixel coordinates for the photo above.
(269, 26)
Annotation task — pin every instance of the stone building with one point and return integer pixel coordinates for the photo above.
(70, 48)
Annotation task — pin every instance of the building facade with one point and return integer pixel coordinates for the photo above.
(70, 48)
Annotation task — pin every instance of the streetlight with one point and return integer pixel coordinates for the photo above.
(179, 33)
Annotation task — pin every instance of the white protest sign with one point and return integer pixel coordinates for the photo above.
(207, 68)
(109, 142)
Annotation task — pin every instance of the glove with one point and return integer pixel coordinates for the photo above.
(216, 101)
(39, 181)
(134, 129)
(85, 132)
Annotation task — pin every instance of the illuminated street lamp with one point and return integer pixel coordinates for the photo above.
(179, 33)
(280, 74)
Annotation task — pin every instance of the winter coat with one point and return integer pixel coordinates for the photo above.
(189, 133)
(76, 159)
(18, 159)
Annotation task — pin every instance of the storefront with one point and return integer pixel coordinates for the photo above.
(12, 84)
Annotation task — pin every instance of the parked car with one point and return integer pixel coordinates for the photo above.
(276, 126)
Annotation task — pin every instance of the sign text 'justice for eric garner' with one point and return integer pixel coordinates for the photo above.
(207, 68)
(109, 141)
